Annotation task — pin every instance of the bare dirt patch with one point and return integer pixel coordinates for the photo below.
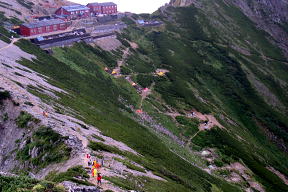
(108, 43)
(134, 45)
(210, 120)
(245, 173)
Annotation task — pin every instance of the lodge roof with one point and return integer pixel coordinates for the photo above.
(75, 8)
(43, 23)
(102, 4)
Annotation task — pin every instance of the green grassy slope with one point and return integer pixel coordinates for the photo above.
(207, 73)
(95, 97)
(198, 54)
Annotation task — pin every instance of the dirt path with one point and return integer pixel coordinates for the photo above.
(9, 45)
(121, 62)
(145, 93)
(172, 114)
(192, 137)
(105, 185)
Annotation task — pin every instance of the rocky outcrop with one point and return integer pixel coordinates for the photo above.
(72, 187)
(182, 3)
(270, 16)
(9, 135)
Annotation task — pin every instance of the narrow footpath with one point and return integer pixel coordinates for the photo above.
(117, 70)
(9, 45)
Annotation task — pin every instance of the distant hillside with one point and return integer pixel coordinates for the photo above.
(270, 16)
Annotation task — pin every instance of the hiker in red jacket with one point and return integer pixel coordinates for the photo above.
(99, 178)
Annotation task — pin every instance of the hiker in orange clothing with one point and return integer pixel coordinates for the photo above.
(45, 114)
(97, 166)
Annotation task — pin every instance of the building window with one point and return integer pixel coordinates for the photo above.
(55, 27)
(47, 28)
(62, 26)
(39, 30)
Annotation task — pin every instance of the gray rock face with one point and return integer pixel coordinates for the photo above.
(7, 174)
(9, 134)
(74, 143)
(269, 10)
(182, 2)
(270, 16)
(72, 187)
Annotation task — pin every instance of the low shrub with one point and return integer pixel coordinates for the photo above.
(98, 146)
(10, 184)
(24, 118)
(3, 96)
(48, 186)
(145, 80)
(49, 147)
(97, 137)
(128, 21)
(70, 175)
(130, 165)
(5, 117)
(27, 184)
(218, 163)
(125, 70)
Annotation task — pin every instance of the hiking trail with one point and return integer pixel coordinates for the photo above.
(121, 62)
(14, 40)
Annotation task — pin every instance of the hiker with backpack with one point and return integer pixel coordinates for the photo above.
(99, 178)
(94, 171)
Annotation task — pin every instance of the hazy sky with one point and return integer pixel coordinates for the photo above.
(135, 6)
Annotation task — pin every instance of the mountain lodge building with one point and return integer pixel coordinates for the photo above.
(102, 8)
(40, 27)
(73, 12)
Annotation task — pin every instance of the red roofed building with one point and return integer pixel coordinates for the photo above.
(40, 27)
(102, 8)
(73, 12)
(95, 8)
(108, 8)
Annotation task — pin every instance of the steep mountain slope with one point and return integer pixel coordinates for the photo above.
(268, 15)
(25, 9)
(220, 62)
(200, 104)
